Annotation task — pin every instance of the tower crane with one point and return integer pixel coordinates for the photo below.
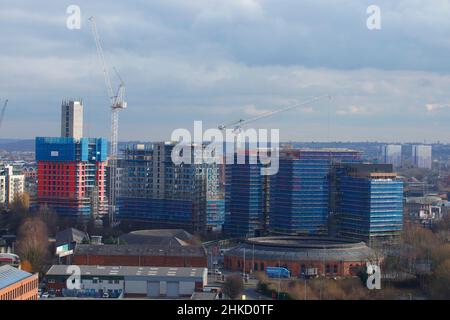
(117, 103)
(237, 125)
(2, 113)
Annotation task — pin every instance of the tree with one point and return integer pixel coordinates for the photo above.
(440, 287)
(233, 286)
(21, 203)
(19, 210)
(49, 217)
(32, 244)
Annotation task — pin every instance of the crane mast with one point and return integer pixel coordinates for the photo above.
(117, 103)
(2, 113)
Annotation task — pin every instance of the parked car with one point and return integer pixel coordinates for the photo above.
(45, 295)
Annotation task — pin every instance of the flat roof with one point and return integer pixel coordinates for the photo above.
(59, 270)
(10, 275)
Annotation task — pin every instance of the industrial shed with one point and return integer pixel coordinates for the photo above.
(152, 282)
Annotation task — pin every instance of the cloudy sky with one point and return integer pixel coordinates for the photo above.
(223, 60)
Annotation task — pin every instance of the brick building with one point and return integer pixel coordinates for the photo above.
(16, 284)
(300, 255)
(140, 255)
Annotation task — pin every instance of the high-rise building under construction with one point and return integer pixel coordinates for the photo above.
(156, 192)
(71, 168)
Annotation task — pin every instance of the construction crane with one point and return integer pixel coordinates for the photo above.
(2, 113)
(117, 103)
(237, 125)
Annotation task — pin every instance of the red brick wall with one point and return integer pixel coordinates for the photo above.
(343, 268)
(143, 261)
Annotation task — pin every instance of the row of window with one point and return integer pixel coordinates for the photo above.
(19, 291)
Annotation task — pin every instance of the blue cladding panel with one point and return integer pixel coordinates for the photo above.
(155, 210)
(244, 200)
(55, 149)
(69, 149)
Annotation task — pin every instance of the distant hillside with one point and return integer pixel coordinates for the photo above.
(28, 144)
(17, 144)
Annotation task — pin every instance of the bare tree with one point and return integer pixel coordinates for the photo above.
(233, 286)
(32, 245)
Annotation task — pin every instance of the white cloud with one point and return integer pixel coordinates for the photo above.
(430, 107)
(352, 110)
(222, 60)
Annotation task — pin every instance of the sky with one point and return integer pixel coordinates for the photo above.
(219, 61)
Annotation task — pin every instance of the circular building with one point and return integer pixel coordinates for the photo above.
(300, 255)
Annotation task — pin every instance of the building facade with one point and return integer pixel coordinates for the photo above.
(300, 192)
(12, 184)
(392, 154)
(246, 193)
(72, 119)
(302, 256)
(140, 255)
(116, 281)
(154, 190)
(421, 156)
(17, 284)
(370, 202)
(71, 175)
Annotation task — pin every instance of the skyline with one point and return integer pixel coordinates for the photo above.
(219, 62)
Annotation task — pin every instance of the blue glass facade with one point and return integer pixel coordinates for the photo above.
(370, 207)
(173, 213)
(215, 214)
(244, 200)
(300, 192)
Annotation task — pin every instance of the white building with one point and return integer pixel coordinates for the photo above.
(153, 282)
(392, 154)
(72, 119)
(13, 182)
(2, 190)
(421, 156)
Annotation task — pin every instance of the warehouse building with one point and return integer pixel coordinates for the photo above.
(152, 282)
(140, 255)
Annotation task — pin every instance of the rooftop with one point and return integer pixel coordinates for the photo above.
(70, 235)
(172, 237)
(139, 249)
(10, 275)
(58, 270)
(303, 248)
